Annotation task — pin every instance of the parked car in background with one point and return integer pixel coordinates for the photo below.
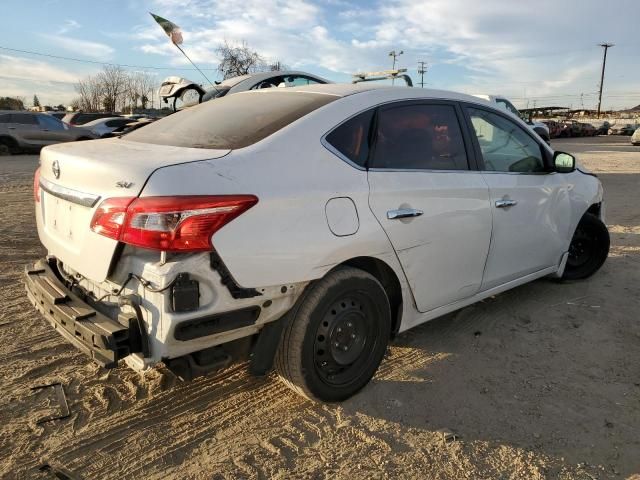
(554, 128)
(539, 127)
(392, 206)
(58, 115)
(30, 131)
(570, 128)
(627, 129)
(603, 129)
(185, 93)
(588, 130)
(80, 118)
(635, 138)
(129, 127)
(102, 126)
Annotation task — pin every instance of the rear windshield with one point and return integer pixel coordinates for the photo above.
(231, 122)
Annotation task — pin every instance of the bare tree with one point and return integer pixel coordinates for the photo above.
(238, 60)
(113, 82)
(141, 88)
(90, 94)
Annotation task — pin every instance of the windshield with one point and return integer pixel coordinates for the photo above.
(231, 122)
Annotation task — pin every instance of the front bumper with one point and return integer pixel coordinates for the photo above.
(105, 340)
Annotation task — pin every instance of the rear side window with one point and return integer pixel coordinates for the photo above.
(419, 137)
(231, 122)
(351, 138)
(4, 119)
(24, 119)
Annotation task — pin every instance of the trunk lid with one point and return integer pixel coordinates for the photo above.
(76, 177)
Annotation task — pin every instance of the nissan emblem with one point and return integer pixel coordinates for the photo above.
(55, 168)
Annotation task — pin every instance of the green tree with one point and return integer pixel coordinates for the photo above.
(8, 103)
(36, 102)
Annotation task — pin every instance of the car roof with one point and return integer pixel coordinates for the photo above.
(105, 119)
(395, 93)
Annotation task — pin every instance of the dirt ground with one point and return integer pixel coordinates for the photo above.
(539, 382)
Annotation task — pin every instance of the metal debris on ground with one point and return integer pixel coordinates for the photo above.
(448, 436)
(62, 401)
(57, 472)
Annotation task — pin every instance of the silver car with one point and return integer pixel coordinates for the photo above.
(635, 138)
(185, 93)
(30, 131)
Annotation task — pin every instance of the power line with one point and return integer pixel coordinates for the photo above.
(95, 62)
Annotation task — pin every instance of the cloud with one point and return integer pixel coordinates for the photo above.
(68, 26)
(26, 77)
(542, 49)
(95, 50)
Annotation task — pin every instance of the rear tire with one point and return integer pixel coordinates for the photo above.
(588, 250)
(5, 148)
(336, 336)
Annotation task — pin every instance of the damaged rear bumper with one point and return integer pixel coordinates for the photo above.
(103, 339)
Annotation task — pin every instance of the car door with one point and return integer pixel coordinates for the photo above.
(53, 130)
(433, 207)
(530, 205)
(24, 127)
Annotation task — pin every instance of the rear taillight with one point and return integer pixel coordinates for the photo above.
(183, 223)
(36, 185)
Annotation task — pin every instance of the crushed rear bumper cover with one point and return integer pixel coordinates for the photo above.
(105, 340)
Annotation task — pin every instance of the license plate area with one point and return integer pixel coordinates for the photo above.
(65, 221)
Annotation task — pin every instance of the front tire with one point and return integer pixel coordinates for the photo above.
(336, 336)
(588, 250)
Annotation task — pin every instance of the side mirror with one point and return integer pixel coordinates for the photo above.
(564, 162)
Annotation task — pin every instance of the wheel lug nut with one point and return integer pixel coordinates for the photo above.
(339, 329)
(336, 344)
(349, 324)
(353, 335)
(345, 348)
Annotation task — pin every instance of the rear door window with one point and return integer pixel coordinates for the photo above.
(23, 119)
(231, 122)
(419, 137)
(351, 139)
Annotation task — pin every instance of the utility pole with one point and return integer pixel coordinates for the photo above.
(606, 47)
(422, 69)
(395, 55)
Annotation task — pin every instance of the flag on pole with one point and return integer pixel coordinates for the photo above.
(170, 28)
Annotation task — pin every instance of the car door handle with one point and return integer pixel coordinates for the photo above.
(403, 213)
(11, 128)
(505, 203)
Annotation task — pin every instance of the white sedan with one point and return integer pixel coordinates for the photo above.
(104, 126)
(307, 225)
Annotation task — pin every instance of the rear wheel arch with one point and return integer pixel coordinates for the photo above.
(389, 281)
(9, 141)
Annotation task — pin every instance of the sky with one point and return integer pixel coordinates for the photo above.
(542, 53)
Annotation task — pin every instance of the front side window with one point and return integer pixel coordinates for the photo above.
(298, 81)
(351, 138)
(50, 123)
(419, 137)
(505, 146)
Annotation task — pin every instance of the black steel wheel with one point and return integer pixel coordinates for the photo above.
(588, 250)
(336, 336)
